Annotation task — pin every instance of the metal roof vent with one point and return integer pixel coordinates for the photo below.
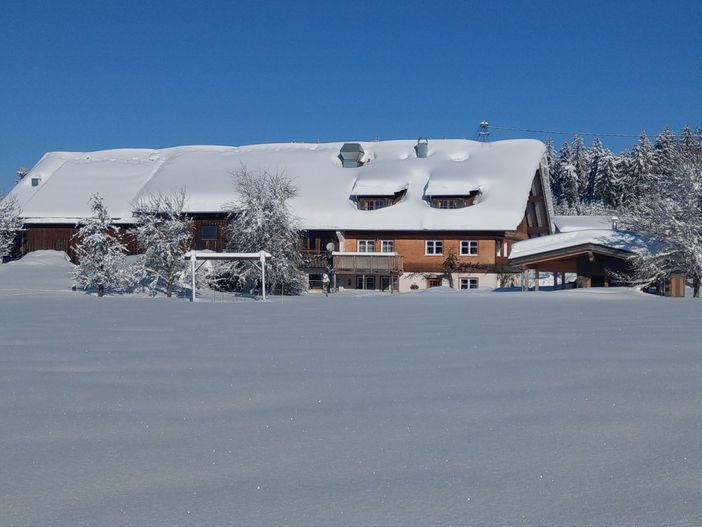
(36, 181)
(422, 147)
(351, 155)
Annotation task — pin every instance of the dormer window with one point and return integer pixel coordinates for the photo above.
(375, 202)
(454, 202)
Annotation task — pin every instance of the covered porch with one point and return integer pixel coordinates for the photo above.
(367, 270)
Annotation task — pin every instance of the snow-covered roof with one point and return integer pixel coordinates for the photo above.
(503, 170)
(608, 238)
(579, 223)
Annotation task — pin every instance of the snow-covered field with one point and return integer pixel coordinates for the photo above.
(439, 408)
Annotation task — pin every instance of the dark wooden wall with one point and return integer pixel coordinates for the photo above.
(60, 237)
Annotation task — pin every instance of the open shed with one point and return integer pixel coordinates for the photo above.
(594, 255)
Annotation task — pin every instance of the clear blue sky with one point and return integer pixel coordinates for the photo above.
(105, 74)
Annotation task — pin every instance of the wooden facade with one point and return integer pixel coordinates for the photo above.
(413, 247)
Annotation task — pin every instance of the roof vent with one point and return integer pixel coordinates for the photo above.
(615, 223)
(36, 181)
(422, 147)
(351, 155)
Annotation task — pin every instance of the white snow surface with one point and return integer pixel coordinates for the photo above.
(533, 409)
(581, 223)
(623, 240)
(503, 169)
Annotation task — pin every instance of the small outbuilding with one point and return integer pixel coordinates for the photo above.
(591, 247)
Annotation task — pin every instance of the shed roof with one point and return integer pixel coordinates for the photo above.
(548, 246)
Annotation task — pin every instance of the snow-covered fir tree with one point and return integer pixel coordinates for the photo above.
(10, 225)
(163, 233)
(581, 164)
(597, 152)
(565, 178)
(690, 145)
(640, 176)
(262, 220)
(665, 154)
(102, 263)
(607, 186)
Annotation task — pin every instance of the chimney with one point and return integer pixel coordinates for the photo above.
(615, 222)
(351, 155)
(422, 147)
(21, 172)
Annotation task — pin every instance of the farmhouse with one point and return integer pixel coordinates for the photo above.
(390, 215)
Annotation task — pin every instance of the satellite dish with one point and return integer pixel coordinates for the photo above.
(330, 246)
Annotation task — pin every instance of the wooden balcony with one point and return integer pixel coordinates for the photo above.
(367, 263)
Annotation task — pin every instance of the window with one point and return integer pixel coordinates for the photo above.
(447, 203)
(368, 283)
(366, 246)
(434, 248)
(387, 246)
(208, 232)
(373, 203)
(469, 283)
(469, 248)
(435, 282)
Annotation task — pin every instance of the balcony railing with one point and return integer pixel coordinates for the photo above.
(367, 263)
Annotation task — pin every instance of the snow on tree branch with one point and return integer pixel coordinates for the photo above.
(10, 224)
(102, 263)
(261, 220)
(164, 234)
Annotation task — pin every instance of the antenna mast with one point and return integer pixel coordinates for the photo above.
(483, 132)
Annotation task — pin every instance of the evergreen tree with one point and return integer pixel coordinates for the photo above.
(568, 178)
(688, 146)
(641, 167)
(608, 186)
(101, 254)
(665, 154)
(10, 225)
(262, 220)
(597, 151)
(550, 154)
(581, 164)
(164, 234)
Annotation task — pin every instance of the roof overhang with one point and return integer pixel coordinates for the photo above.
(565, 253)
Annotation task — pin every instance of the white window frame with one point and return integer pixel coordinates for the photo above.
(383, 246)
(470, 244)
(433, 246)
(365, 244)
(468, 280)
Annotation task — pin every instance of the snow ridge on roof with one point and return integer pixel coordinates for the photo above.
(503, 169)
